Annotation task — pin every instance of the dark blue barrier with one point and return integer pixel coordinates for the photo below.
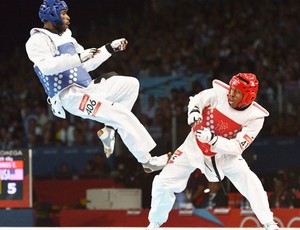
(274, 154)
(17, 218)
(47, 160)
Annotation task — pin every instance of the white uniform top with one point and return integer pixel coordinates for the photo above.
(41, 51)
(236, 129)
(56, 60)
(57, 63)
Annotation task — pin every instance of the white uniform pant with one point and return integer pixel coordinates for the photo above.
(110, 102)
(174, 177)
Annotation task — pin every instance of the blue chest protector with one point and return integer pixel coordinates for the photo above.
(53, 84)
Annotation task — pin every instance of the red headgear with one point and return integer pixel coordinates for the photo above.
(247, 84)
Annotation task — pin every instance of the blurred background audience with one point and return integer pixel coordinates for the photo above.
(186, 42)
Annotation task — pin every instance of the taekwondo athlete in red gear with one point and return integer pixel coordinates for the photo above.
(225, 120)
(62, 66)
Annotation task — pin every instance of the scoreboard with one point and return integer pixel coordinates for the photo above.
(15, 179)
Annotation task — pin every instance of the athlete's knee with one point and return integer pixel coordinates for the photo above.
(134, 83)
(167, 185)
(123, 113)
(158, 184)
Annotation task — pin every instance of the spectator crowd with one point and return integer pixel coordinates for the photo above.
(168, 38)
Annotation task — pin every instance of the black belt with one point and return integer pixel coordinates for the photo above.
(213, 161)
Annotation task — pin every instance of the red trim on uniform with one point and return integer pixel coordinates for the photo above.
(248, 139)
(242, 148)
(96, 108)
(176, 154)
(260, 108)
(222, 84)
(84, 101)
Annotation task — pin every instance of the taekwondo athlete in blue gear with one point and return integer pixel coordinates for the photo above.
(62, 66)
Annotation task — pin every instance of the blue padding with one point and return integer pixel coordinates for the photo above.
(17, 218)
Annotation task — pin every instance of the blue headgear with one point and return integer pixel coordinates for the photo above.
(50, 11)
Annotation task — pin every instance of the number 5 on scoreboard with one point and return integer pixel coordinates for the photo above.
(11, 188)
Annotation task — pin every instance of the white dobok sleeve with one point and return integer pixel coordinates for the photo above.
(101, 56)
(243, 139)
(40, 51)
(203, 99)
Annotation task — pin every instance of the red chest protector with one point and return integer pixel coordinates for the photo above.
(219, 124)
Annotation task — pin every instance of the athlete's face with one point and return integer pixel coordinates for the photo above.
(65, 18)
(235, 96)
